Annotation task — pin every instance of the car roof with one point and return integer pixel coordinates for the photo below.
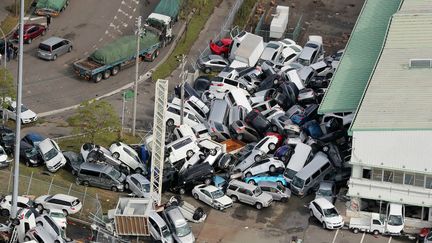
(268, 183)
(95, 166)
(64, 197)
(323, 203)
(52, 41)
(45, 145)
(35, 137)
(176, 216)
(211, 188)
(242, 184)
(140, 178)
(215, 57)
(326, 184)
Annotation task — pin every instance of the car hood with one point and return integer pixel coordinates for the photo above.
(27, 114)
(225, 200)
(41, 199)
(187, 238)
(334, 220)
(58, 158)
(3, 158)
(265, 197)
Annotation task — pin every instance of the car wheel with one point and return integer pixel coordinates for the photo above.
(234, 198)
(43, 33)
(5, 213)
(212, 152)
(272, 169)
(54, 57)
(40, 207)
(259, 206)
(27, 163)
(138, 170)
(240, 137)
(196, 196)
(189, 153)
(27, 239)
(324, 225)
(85, 183)
(207, 181)
(279, 183)
(126, 186)
(116, 155)
(65, 212)
(170, 123)
(325, 149)
(182, 191)
(207, 70)
(115, 70)
(257, 158)
(106, 74)
(274, 128)
(252, 182)
(97, 78)
(74, 172)
(272, 146)
(329, 75)
(70, 48)
(248, 174)
(355, 231)
(114, 189)
(375, 232)
(29, 41)
(284, 200)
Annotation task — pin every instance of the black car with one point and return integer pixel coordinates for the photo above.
(258, 121)
(286, 95)
(201, 84)
(194, 175)
(73, 161)
(269, 82)
(28, 151)
(188, 91)
(7, 139)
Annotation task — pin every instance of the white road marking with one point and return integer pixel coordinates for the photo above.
(101, 39)
(134, 9)
(35, 18)
(334, 238)
(115, 17)
(364, 233)
(136, 2)
(389, 239)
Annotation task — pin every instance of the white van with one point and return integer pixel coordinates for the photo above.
(201, 131)
(395, 218)
(311, 175)
(182, 148)
(236, 97)
(183, 131)
(195, 105)
(172, 116)
(299, 159)
(158, 228)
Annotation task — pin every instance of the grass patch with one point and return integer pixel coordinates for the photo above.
(242, 15)
(105, 139)
(184, 45)
(11, 20)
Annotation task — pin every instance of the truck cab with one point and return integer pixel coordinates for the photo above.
(163, 23)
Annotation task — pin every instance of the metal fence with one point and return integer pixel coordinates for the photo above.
(29, 185)
(263, 30)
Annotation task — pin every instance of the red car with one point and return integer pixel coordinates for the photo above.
(221, 47)
(31, 31)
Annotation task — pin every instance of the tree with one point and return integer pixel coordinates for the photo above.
(7, 89)
(94, 117)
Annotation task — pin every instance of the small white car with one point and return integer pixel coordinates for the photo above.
(266, 106)
(194, 105)
(326, 213)
(223, 85)
(59, 217)
(267, 144)
(6, 204)
(271, 51)
(51, 154)
(288, 55)
(138, 184)
(68, 204)
(128, 156)
(50, 226)
(212, 196)
(248, 159)
(27, 115)
(180, 149)
(172, 116)
(263, 166)
(3, 157)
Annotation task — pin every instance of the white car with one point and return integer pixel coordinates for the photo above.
(248, 159)
(59, 217)
(323, 69)
(223, 85)
(266, 106)
(180, 149)
(3, 156)
(263, 166)
(287, 42)
(86, 148)
(127, 155)
(172, 116)
(271, 51)
(326, 213)
(138, 184)
(50, 226)
(5, 204)
(68, 204)
(289, 55)
(27, 115)
(51, 154)
(267, 144)
(212, 196)
(194, 105)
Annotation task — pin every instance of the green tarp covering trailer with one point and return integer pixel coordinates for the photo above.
(51, 7)
(169, 8)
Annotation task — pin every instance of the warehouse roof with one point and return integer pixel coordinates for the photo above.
(361, 54)
(399, 93)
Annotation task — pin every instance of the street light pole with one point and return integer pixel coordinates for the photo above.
(183, 61)
(5, 50)
(139, 32)
(18, 114)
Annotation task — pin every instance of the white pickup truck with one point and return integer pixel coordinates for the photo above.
(373, 224)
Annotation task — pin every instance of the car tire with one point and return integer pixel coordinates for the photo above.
(189, 153)
(97, 78)
(170, 123)
(207, 70)
(182, 191)
(325, 149)
(284, 200)
(212, 152)
(27, 239)
(107, 74)
(375, 232)
(74, 173)
(274, 128)
(138, 171)
(196, 196)
(248, 174)
(272, 146)
(240, 137)
(234, 198)
(355, 231)
(54, 57)
(43, 33)
(258, 206)
(65, 212)
(4, 213)
(116, 155)
(40, 207)
(29, 41)
(207, 181)
(115, 70)
(70, 48)
(126, 186)
(252, 182)
(272, 169)
(324, 226)
(257, 158)
(85, 183)
(39, 223)
(114, 189)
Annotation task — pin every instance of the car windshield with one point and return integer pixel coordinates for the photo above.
(57, 215)
(219, 43)
(115, 174)
(330, 212)
(23, 108)
(165, 231)
(50, 154)
(146, 187)
(30, 153)
(325, 192)
(395, 220)
(311, 45)
(297, 182)
(280, 188)
(183, 230)
(205, 59)
(217, 194)
(8, 136)
(257, 191)
(289, 173)
(273, 46)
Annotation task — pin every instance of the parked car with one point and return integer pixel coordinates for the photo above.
(284, 153)
(327, 190)
(178, 225)
(221, 47)
(100, 175)
(40, 234)
(54, 47)
(172, 116)
(288, 55)
(236, 113)
(278, 192)
(201, 84)
(73, 161)
(279, 179)
(51, 154)
(138, 184)
(26, 217)
(51, 227)
(195, 105)
(326, 213)
(6, 204)
(7, 139)
(128, 156)
(212, 196)
(3, 158)
(211, 63)
(59, 217)
(68, 204)
(223, 85)
(31, 31)
(159, 229)
(267, 144)
(271, 165)
(271, 51)
(180, 149)
(257, 121)
(27, 115)
(188, 91)
(241, 131)
(250, 194)
(312, 51)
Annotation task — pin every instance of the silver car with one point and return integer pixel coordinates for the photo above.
(212, 63)
(247, 193)
(327, 190)
(278, 192)
(138, 184)
(179, 227)
(241, 131)
(249, 159)
(54, 47)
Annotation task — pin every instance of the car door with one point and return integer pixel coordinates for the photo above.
(206, 197)
(135, 187)
(53, 203)
(64, 46)
(249, 197)
(260, 167)
(11, 112)
(105, 181)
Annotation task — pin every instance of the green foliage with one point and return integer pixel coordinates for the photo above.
(95, 118)
(243, 13)
(7, 86)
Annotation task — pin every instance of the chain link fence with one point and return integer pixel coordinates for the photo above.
(262, 29)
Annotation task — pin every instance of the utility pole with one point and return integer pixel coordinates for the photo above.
(13, 214)
(182, 58)
(137, 59)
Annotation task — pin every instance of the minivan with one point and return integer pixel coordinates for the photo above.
(177, 223)
(158, 228)
(172, 116)
(54, 47)
(217, 119)
(181, 149)
(302, 154)
(100, 175)
(247, 193)
(195, 105)
(183, 131)
(235, 97)
(311, 175)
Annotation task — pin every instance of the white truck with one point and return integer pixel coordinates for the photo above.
(246, 50)
(375, 224)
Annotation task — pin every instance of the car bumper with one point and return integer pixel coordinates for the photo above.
(29, 120)
(43, 55)
(55, 167)
(335, 226)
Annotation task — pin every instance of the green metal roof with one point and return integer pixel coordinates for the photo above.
(398, 96)
(361, 54)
